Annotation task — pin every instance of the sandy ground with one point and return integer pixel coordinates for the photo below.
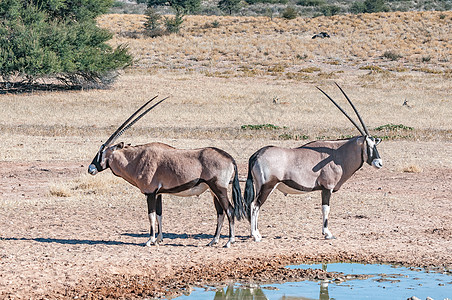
(91, 245)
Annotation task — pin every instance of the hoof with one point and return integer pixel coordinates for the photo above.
(331, 237)
(151, 243)
(228, 245)
(257, 238)
(212, 243)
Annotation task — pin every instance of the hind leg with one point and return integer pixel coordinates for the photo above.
(222, 197)
(220, 219)
(263, 193)
(254, 216)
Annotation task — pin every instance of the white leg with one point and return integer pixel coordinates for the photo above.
(325, 211)
(152, 240)
(159, 224)
(254, 217)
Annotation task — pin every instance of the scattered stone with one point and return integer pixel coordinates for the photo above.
(321, 35)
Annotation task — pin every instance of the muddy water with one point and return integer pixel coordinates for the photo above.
(383, 282)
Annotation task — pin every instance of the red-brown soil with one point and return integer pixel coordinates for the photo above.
(93, 247)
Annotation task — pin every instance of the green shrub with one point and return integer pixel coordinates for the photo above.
(229, 6)
(369, 6)
(357, 8)
(56, 41)
(311, 2)
(173, 24)
(260, 127)
(180, 6)
(289, 13)
(391, 55)
(266, 1)
(393, 127)
(330, 10)
(153, 25)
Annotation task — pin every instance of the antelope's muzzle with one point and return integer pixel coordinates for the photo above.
(377, 163)
(92, 169)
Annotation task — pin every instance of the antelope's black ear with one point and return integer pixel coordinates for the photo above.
(118, 146)
(377, 141)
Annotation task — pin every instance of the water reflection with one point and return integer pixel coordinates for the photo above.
(240, 293)
(233, 292)
(369, 282)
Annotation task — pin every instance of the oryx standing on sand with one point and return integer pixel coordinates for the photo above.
(157, 169)
(319, 165)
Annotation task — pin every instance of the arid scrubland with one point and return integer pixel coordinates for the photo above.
(226, 72)
(252, 46)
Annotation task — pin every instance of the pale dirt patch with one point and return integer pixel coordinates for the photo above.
(91, 243)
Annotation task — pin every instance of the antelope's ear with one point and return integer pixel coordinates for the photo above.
(118, 146)
(377, 141)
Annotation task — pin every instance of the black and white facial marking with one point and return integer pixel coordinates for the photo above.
(99, 162)
(96, 164)
(373, 157)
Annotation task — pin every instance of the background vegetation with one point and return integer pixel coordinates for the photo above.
(56, 39)
(306, 8)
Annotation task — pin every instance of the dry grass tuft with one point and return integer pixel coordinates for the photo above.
(412, 169)
(100, 184)
(60, 190)
(104, 183)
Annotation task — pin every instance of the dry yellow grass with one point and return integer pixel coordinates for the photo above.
(259, 43)
(59, 190)
(222, 78)
(412, 169)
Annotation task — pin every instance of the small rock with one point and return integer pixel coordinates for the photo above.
(413, 298)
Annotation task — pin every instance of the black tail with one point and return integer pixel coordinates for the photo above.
(239, 210)
(249, 188)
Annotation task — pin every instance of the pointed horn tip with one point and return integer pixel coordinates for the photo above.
(320, 89)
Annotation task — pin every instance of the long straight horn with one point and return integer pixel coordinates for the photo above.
(354, 108)
(340, 108)
(137, 118)
(114, 135)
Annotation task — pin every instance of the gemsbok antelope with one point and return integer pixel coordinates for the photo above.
(157, 169)
(318, 165)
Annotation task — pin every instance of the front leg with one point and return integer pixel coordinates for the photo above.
(223, 205)
(153, 215)
(326, 195)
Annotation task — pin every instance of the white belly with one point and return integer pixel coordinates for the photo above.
(195, 191)
(288, 190)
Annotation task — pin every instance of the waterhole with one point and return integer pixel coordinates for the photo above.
(382, 282)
